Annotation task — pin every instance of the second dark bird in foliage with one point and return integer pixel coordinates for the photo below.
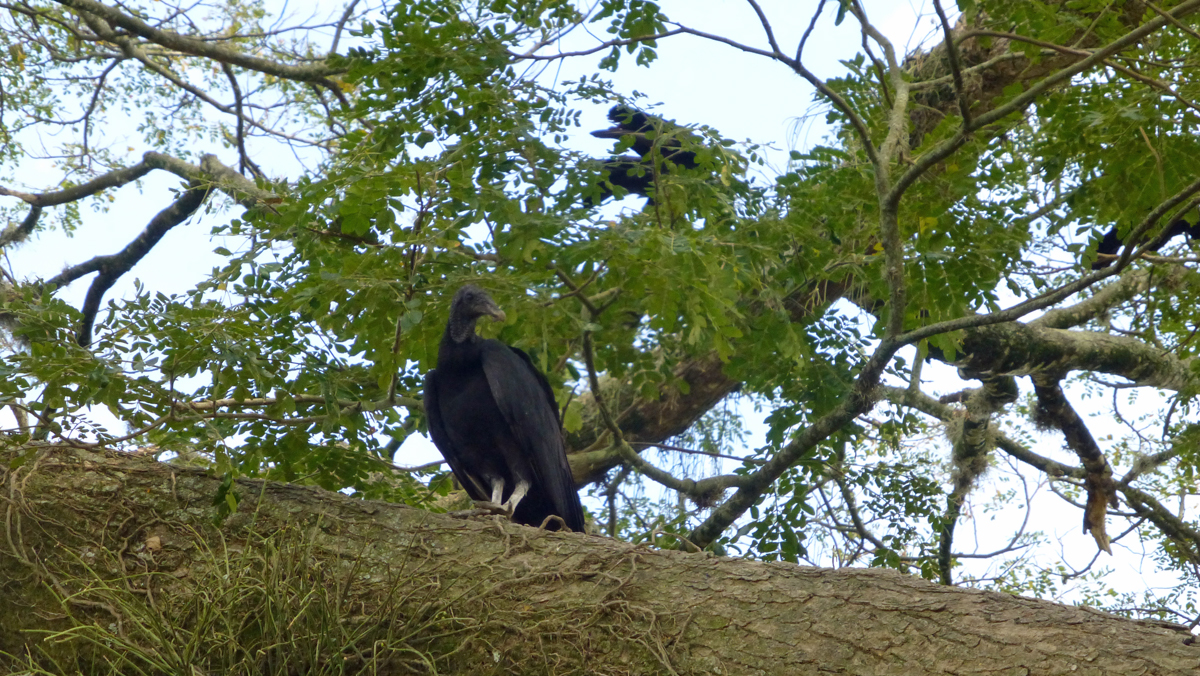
(493, 417)
(1111, 243)
(650, 135)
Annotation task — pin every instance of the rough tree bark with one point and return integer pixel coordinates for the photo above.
(496, 598)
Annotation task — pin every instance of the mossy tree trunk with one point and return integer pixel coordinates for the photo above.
(121, 559)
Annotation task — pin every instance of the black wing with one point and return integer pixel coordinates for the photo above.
(527, 403)
(437, 431)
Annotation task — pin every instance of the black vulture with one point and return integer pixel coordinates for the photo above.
(647, 131)
(493, 417)
(650, 135)
(1111, 243)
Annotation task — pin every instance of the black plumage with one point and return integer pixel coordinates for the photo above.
(1111, 243)
(650, 134)
(493, 417)
(651, 137)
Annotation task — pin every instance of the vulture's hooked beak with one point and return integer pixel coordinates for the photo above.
(495, 312)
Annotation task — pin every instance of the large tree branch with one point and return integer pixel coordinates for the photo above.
(647, 421)
(123, 542)
(112, 179)
(223, 178)
(19, 233)
(1122, 289)
(1017, 349)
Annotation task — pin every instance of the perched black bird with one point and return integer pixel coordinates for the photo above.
(650, 135)
(493, 417)
(1111, 243)
(647, 132)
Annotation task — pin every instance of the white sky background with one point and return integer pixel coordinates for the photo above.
(698, 82)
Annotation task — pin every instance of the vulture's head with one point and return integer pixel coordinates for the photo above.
(469, 304)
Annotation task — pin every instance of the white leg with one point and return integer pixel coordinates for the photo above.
(497, 490)
(518, 493)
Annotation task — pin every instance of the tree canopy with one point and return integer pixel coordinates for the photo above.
(368, 162)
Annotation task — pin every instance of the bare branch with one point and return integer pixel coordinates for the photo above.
(1120, 290)
(341, 26)
(693, 451)
(263, 402)
(608, 44)
(964, 108)
(859, 400)
(1054, 409)
(112, 267)
(1185, 536)
(21, 232)
(762, 19)
(852, 509)
(317, 72)
(696, 489)
(844, 106)
(244, 161)
(808, 31)
(111, 179)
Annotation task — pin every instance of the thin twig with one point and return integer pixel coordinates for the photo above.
(955, 64)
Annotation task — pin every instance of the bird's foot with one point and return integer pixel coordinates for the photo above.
(494, 508)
